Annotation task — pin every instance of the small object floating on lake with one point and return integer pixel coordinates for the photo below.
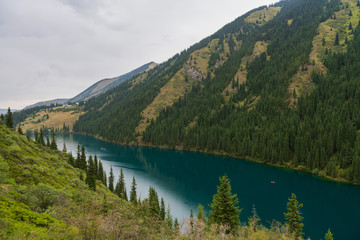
(272, 181)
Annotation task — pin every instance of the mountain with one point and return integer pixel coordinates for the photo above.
(103, 85)
(59, 101)
(278, 85)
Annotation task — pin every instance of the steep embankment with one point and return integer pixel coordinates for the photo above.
(44, 197)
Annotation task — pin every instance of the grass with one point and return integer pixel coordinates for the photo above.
(44, 197)
(258, 16)
(301, 82)
(58, 116)
(259, 48)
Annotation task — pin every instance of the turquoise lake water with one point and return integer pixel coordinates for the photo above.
(185, 179)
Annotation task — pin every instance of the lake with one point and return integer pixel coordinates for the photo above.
(185, 179)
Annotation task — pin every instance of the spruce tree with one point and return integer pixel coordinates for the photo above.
(293, 217)
(201, 213)
(120, 188)
(168, 216)
(20, 131)
(223, 207)
(111, 180)
(96, 165)
(154, 201)
(101, 172)
(64, 148)
(41, 137)
(329, 235)
(9, 119)
(83, 158)
(71, 159)
(133, 195)
(162, 209)
(2, 119)
(53, 144)
(91, 174)
(77, 160)
(48, 141)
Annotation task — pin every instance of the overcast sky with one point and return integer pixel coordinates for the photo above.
(57, 48)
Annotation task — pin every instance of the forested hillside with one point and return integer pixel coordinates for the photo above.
(278, 85)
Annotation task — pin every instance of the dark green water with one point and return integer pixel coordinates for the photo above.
(185, 179)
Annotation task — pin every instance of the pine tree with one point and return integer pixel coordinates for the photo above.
(133, 195)
(154, 201)
(293, 217)
(53, 144)
(323, 41)
(120, 188)
(64, 148)
(83, 158)
(329, 235)
(105, 179)
(168, 216)
(101, 172)
(77, 161)
(350, 13)
(111, 180)
(2, 119)
(223, 207)
(162, 209)
(71, 159)
(20, 130)
(201, 213)
(176, 224)
(91, 174)
(96, 165)
(9, 119)
(41, 137)
(350, 26)
(48, 141)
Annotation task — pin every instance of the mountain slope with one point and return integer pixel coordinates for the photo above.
(254, 89)
(44, 197)
(103, 85)
(59, 101)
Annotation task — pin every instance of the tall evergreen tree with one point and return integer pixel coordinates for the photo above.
(2, 119)
(53, 144)
(201, 213)
(83, 158)
(162, 209)
(64, 148)
(78, 156)
(154, 201)
(133, 195)
(223, 207)
(100, 175)
(96, 165)
(168, 216)
(120, 188)
(20, 131)
(111, 180)
(293, 217)
(41, 137)
(48, 141)
(91, 174)
(9, 119)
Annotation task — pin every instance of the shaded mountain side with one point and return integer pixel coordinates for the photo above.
(103, 85)
(261, 87)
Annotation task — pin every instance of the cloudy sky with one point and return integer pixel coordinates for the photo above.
(57, 48)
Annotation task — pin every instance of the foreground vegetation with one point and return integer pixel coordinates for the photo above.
(49, 194)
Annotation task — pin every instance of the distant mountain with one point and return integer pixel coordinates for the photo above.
(103, 85)
(59, 101)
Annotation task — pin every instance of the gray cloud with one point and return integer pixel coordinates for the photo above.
(57, 48)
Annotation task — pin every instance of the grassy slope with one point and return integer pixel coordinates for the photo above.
(42, 197)
(302, 82)
(57, 117)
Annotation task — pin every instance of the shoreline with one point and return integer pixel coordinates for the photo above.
(246, 158)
